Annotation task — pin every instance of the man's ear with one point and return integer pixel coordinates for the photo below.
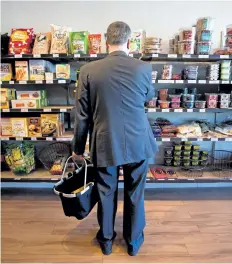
(107, 46)
(128, 44)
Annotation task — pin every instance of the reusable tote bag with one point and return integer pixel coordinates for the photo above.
(77, 190)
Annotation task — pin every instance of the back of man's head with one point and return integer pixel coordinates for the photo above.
(118, 33)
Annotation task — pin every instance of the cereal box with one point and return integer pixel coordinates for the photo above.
(29, 103)
(38, 69)
(62, 71)
(6, 128)
(34, 127)
(38, 95)
(6, 72)
(50, 125)
(5, 96)
(19, 127)
(21, 70)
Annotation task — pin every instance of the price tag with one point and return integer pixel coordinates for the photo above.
(61, 81)
(6, 110)
(186, 56)
(17, 179)
(171, 179)
(55, 55)
(93, 55)
(200, 139)
(0, 82)
(24, 110)
(201, 81)
(48, 81)
(228, 139)
(47, 109)
(224, 56)
(18, 56)
(172, 55)
(33, 138)
(155, 55)
(203, 56)
(225, 82)
(165, 139)
(63, 110)
(214, 139)
(5, 138)
(77, 55)
(161, 179)
(54, 179)
(165, 81)
(131, 55)
(189, 110)
(38, 81)
(151, 110)
(49, 138)
(213, 81)
(165, 110)
(191, 179)
(19, 138)
(22, 82)
(179, 81)
(202, 110)
(178, 110)
(184, 139)
(37, 55)
(11, 82)
(192, 81)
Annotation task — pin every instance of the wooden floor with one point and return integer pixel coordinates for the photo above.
(183, 226)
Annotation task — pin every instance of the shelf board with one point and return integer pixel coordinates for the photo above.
(47, 109)
(176, 139)
(185, 110)
(36, 82)
(191, 82)
(68, 136)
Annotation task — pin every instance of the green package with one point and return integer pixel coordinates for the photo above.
(78, 42)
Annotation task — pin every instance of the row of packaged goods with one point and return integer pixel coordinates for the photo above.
(215, 71)
(34, 70)
(198, 39)
(189, 98)
(10, 98)
(195, 129)
(47, 125)
(185, 154)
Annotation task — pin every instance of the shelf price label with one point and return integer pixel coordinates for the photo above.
(155, 55)
(165, 110)
(49, 81)
(172, 55)
(228, 139)
(225, 82)
(55, 55)
(189, 110)
(33, 139)
(22, 82)
(165, 81)
(49, 138)
(11, 82)
(201, 81)
(6, 110)
(77, 55)
(178, 110)
(93, 55)
(203, 56)
(179, 81)
(17, 179)
(131, 55)
(19, 138)
(38, 81)
(61, 81)
(192, 81)
(186, 56)
(18, 56)
(5, 138)
(47, 109)
(165, 139)
(54, 179)
(213, 82)
(24, 110)
(37, 55)
(63, 110)
(224, 56)
(202, 110)
(214, 139)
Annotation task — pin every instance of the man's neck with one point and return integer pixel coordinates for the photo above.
(118, 48)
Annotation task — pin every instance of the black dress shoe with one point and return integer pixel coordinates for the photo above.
(106, 246)
(134, 249)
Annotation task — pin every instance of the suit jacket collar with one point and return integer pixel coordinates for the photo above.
(118, 53)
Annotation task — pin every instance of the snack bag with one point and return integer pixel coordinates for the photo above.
(42, 43)
(137, 41)
(6, 72)
(78, 42)
(21, 40)
(94, 43)
(59, 39)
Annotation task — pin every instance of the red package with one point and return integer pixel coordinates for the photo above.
(94, 43)
(21, 40)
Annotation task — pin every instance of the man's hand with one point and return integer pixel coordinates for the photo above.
(77, 157)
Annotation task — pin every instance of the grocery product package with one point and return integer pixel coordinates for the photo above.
(38, 69)
(6, 95)
(21, 70)
(34, 127)
(52, 125)
(137, 41)
(62, 71)
(6, 127)
(78, 42)
(38, 95)
(42, 43)
(26, 103)
(59, 43)
(19, 127)
(21, 40)
(20, 157)
(94, 43)
(6, 72)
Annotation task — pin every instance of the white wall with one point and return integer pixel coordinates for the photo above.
(161, 19)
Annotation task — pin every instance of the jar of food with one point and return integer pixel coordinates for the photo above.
(204, 47)
(176, 158)
(177, 146)
(195, 147)
(175, 97)
(152, 102)
(186, 163)
(195, 153)
(212, 104)
(167, 161)
(187, 147)
(164, 104)
(188, 104)
(177, 153)
(205, 23)
(175, 105)
(194, 163)
(225, 104)
(186, 35)
(195, 157)
(186, 152)
(186, 47)
(224, 97)
(168, 151)
(200, 104)
(176, 163)
(204, 35)
(211, 96)
(188, 97)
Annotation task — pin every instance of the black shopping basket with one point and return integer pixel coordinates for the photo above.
(77, 190)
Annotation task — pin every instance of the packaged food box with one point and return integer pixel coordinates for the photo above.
(6, 72)
(38, 69)
(94, 43)
(6, 96)
(19, 127)
(29, 103)
(6, 127)
(62, 71)
(137, 41)
(34, 127)
(51, 125)
(38, 95)
(21, 70)
(78, 42)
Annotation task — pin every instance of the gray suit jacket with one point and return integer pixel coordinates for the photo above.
(110, 106)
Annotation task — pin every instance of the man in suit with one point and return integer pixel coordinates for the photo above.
(110, 106)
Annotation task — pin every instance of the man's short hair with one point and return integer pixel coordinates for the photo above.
(118, 33)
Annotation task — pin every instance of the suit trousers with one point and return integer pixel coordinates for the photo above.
(133, 214)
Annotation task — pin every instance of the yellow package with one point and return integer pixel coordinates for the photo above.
(50, 125)
(6, 72)
(21, 70)
(6, 128)
(19, 127)
(34, 127)
(81, 188)
(62, 71)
